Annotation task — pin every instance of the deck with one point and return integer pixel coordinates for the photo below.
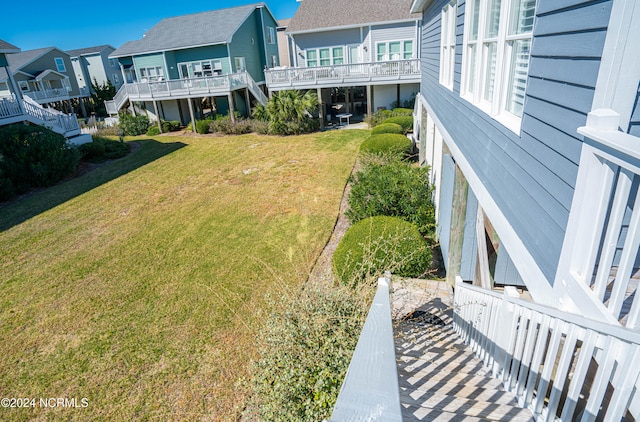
(440, 379)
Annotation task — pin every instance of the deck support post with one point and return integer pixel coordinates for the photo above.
(193, 119)
(320, 107)
(155, 110)
(369, 101)
(231, 108)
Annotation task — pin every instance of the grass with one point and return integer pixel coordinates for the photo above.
(139, 286)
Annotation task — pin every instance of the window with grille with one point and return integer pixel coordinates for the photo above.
(497, 44)
(448, 44)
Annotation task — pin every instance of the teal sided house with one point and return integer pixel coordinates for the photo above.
(186, 67)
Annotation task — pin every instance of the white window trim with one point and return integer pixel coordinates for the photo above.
(240, 64)
(24, 84)
(332, 58)
(66, 84)
(60, 64)
(402, 51)
(216, 68)
(497, 108)
(448, 44)
(271, 35)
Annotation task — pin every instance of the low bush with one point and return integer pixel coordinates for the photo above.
(395, 189)
(202, 126)
(387, 128)
(402, 112)
(170, 126)
(33, 156)
(102, 149)
(378, 244)
(387, 143)
(133, 125)
(405, 121)
(225, 125)
(153, 131)
(260, 126)
(305, 350)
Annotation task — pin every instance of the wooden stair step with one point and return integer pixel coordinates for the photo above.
(480, 411)
(410, 394)
(460, 363)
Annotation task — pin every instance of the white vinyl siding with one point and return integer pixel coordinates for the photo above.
(497, 41)
(448, 44)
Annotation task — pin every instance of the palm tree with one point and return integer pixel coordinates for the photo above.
(291, 112)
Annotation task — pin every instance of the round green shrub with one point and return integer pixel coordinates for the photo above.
(133, 125)
(92, 150)
(202, 126)
(170, 126)
(395, 189)
(387, 128)
(377, 244)
(402, 112)
(386, 143)
(153, 131)
(405, 121)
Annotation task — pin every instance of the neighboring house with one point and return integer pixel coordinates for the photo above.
(187, 66)
(528, 118)
(360, 56)
(17, 106)
(283, 43)
(46, 76)
(93, 64)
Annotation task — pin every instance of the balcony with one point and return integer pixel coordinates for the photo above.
(375, 73)
(48, 95)
(184, 88)
(9, 109)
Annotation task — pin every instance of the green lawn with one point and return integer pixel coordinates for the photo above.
(140, 285)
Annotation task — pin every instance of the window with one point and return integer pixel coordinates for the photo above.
(274, 61)
(448, 45)
(394, 50)
(60, 64)
(151, 73)
(115, 79)
(240, 63)
(496, 53)
(113, 63)
(24, 86)
(201, 69)
(326, 56)
(66, 84)
(271, 35)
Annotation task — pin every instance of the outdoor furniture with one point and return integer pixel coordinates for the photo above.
(344, 116)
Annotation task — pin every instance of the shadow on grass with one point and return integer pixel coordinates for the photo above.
(18, 211)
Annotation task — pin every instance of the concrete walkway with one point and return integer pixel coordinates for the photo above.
(440, 379)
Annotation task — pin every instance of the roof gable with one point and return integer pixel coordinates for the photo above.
(318, 15)
(89, 50)
(6, 47)
(20, 60)
(195, 30)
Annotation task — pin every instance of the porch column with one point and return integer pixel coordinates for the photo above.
(18, 93)
(321, 105)
(231, 109)
(369, 101)
(398, 94)
(248, 100)
(82, 107)
(193, 119)
(347, 100)
(155, 109)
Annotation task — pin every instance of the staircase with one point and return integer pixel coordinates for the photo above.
(64, 124)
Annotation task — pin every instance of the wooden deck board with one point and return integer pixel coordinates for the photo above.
(439, 377)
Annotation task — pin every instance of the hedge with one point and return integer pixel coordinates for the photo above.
(378, 244)
(387, 128)
(387, 143)
(405, 121)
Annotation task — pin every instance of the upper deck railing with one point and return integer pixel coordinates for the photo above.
(183, 88)
(344, 75)
(9, 107)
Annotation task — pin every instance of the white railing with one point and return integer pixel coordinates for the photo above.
(370, 390)
(182, 88)
(256, 91)
(50, 95)
(65, 124)
(343, 74)
(9, 107)
(602, 241)
(559, 365)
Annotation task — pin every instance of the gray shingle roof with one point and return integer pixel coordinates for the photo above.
(17, 60)
(88, 50)
(6, 47)
(322, 14)
(206, 28)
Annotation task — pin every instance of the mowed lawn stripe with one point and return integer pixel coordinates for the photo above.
(144, 293)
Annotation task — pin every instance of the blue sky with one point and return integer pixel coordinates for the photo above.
(76, 24)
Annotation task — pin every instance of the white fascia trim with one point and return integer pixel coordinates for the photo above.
(540, 288)
(360, 25)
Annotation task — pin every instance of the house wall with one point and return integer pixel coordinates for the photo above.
(217, 52)
(110, 70)
(392, 32)
(385, 95)
(249, 42)
(530, 176)
(82, 77)
(337, 38)
(149, 60)
(96, 69)
(634, 123)
(47, 61)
